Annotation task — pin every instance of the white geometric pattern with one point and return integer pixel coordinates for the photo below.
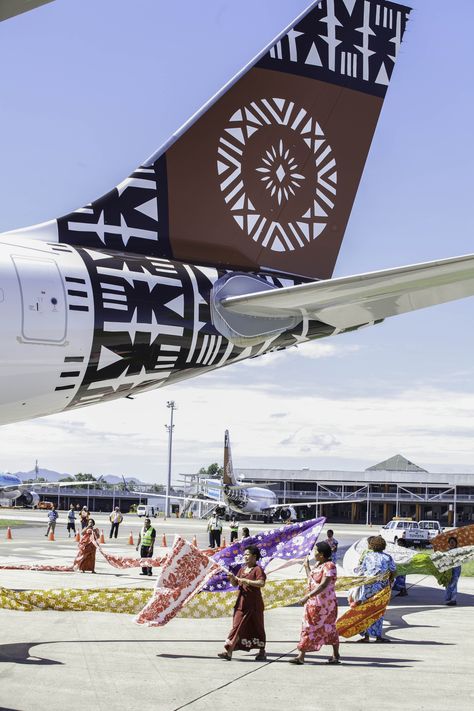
(279, 171)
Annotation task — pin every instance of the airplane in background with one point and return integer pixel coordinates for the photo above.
(233, 495)
(222, 245)
(13, 489)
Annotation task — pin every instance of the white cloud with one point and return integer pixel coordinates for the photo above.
(128, 437)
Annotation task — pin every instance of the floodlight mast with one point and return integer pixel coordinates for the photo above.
(172, 407)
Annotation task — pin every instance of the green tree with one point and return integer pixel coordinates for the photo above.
(213, 471)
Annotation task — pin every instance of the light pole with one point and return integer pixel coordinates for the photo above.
(172, 406)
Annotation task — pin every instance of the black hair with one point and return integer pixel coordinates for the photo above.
(330, 532)
(325, 549)
(254, 551)
(245, 532)
(91, 521)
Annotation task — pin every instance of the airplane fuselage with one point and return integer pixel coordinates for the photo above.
(83, 326)
(248, 500)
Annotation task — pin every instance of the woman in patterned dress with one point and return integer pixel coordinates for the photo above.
(85, 558)
(248, 631)
(375, 562)
(320, 607)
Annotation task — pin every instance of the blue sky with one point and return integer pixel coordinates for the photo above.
(95, 86)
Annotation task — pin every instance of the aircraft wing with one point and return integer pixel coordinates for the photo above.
(203, 500)
(350, 301)
(10, 8)
(294, 505)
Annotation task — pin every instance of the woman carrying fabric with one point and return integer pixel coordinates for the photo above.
(376, 562)
(320, 607)
(85, 558)
(248, 631)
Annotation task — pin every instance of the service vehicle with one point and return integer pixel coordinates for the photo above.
(147, 511)
(407, 530)
(434, 528)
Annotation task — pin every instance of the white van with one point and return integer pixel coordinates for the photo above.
(147, 511)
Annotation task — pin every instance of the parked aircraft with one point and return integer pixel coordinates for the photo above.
(12, 488)
(221, 246)
(233, 495)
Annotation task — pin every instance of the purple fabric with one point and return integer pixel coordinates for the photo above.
(286, 543)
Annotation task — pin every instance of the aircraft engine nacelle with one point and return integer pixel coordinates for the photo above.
(28, 498)
(286, 513)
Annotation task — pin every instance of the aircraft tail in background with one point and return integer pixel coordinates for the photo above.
(228, 478)
(265, 175)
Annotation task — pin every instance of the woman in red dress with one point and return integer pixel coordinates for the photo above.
(85, 558)
(320, 607)
(248, 631)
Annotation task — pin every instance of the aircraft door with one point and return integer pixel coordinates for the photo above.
(43, 300)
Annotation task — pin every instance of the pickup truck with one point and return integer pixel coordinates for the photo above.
(434, 528)
(409, 531)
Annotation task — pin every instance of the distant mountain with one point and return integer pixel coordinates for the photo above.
(53, 476)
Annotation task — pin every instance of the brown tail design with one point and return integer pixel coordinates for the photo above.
(266, 176)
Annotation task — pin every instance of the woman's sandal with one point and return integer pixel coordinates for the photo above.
(364, 640)
(296, 661)
(261, 657)
(334, 660)
(382, 640)
(224, 655)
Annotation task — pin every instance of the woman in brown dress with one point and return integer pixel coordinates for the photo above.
(85, 558)
(248, 631)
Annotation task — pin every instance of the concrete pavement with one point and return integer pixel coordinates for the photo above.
(76, 660)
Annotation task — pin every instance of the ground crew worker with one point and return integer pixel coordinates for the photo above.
(146, 541)
(215, 530)
(234, 529)
(115, 519)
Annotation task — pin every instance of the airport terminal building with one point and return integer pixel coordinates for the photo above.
(394, 487)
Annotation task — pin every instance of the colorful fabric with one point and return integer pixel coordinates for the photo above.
(360, 618)
(320, 611)
(120, 600)
(464, 536)
(115, 560)
(376, 563)
(280, 593)
(184, 572)
(452, 558)
(288, 542)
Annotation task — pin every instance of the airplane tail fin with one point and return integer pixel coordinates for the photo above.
(265, 175)
(228, 477)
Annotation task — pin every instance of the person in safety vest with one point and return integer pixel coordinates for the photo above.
(146, 541)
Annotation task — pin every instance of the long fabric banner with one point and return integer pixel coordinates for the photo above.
(293, 542)
(361, 617)
(184, 572)
(115, 560)
(277, 593)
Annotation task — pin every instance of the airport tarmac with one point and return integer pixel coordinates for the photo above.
(56, 660)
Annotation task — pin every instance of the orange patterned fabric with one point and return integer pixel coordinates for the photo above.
(361, 617)
(184, 572)
(464, 536)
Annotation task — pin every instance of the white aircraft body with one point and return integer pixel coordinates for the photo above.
(12, 488)
(221, 246)
(246, 499)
